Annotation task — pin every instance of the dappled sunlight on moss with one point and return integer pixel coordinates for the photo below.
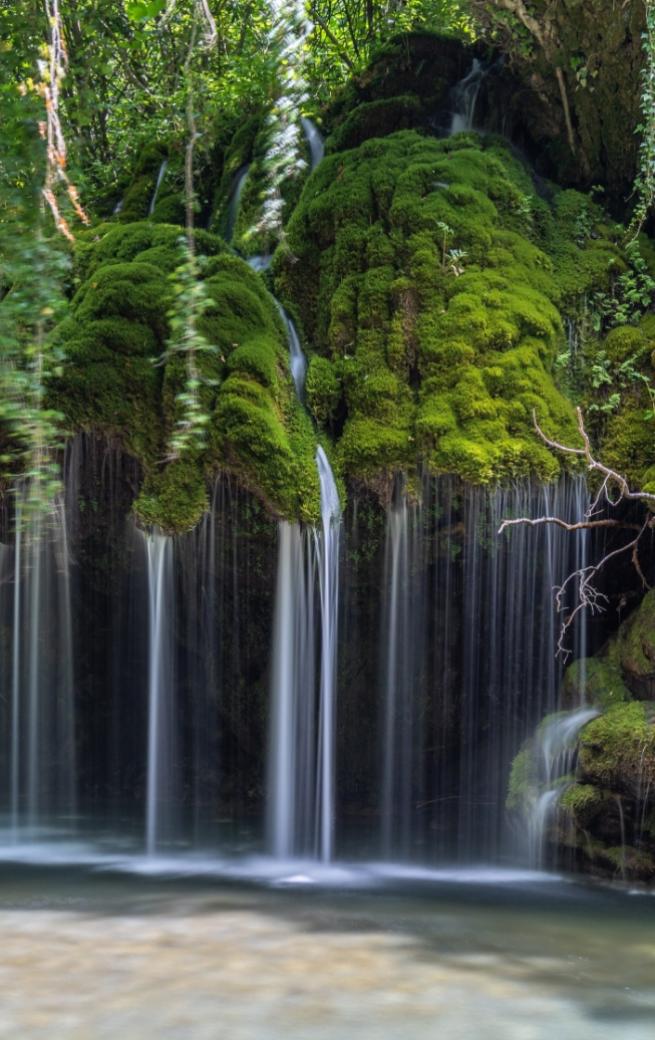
(116, 332)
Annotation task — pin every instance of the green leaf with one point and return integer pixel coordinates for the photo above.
(139, 11)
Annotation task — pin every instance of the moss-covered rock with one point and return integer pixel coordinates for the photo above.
(431, 273)
(421, 65)
(583, 802)
(117, 331)
(595, 680)
(139, 193)
(617, 750)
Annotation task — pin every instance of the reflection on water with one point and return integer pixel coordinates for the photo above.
(92, 953)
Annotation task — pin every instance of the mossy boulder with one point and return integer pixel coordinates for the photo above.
(583, 802)
(376, 119)
(140, 191)
(595, 680)
(617, 750)
(112, 382)
(635, 649)
(625, 667)
(421, 65)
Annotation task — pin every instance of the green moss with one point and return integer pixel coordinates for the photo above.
(583, 802)
(635, 648)
(617, 750)
(323, 388)
(376, 119)
(445, 357)
(117, 329)
(595, 680)
(137, 197)
(173, 498)
(628, 861)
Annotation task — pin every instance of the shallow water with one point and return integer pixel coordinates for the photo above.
(98, 953)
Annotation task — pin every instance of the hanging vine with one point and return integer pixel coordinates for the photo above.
(645, 179)
(190, 297)
(34, 267)
(288, 41)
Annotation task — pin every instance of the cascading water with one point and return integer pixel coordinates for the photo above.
(314, 140)
(467, 649)
(555, 754)
(161, 765)
(41, 750)
(302, 749)
(402, 661)
(234, 201)
(160, 176)
(297, 360)
(292, 758)
(328, 567)
(464, 97)
(301, 811)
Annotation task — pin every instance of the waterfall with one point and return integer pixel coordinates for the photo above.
(41, 750)
(234, 201)
(555, 753)
(301, 811)
(292, 758)
(464, 98)
(302, 748)
(402, 660)
(161, 693)
(160, 177)
(328, 566)
(314, 140)
(297, 360)
(468, 634)
(260, 262)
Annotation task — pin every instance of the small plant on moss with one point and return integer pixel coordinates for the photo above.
(583, 226)
(621, 377)
(446, 234)
(455, 258)
(630, 296)
(524, 208)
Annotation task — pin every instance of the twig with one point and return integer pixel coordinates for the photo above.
(588, 596)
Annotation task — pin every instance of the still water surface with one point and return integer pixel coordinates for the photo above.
(100, 953)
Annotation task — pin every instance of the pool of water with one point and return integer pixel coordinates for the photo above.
(107, 950)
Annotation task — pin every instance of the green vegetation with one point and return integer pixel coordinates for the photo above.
(116, 331)
(617, 750)
(436, 291)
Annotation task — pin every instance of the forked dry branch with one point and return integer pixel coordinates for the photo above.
(613, 490)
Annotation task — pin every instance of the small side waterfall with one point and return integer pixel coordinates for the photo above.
(234, 201)
(160, 784)
(555, 753)
(160, 176)
(314, 140)
(297, 360)
(464, 97)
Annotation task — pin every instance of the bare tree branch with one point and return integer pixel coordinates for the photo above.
(587, 595)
